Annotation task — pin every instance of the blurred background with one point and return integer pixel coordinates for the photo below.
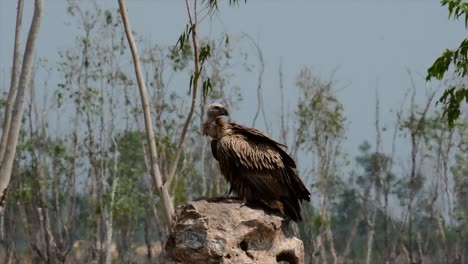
(342, 83)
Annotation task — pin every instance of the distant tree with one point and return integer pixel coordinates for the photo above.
(456, 93)
(321, 130)
(460, 175)
(376, 179)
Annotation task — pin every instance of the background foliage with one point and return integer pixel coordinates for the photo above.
(85, 187)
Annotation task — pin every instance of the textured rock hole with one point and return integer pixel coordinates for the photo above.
(228, 256)
(243, 245)
(287, 257)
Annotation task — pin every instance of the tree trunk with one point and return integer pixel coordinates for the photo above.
(370, 238)
(332, 244)
(147, 229)
(17, 112)
(12, 91)
(168, 207)
(108, 223)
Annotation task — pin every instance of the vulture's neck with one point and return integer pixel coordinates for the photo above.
(217, 127)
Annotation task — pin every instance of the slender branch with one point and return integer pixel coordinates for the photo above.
(259, 84)
(168, 207)
(284, 130)
(196, 76)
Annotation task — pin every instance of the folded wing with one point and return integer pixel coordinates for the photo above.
(259, 169)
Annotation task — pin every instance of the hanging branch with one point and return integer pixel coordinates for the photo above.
(168, 207)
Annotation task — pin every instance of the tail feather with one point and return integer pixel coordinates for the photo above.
(292, 208)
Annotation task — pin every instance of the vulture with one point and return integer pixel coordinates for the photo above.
(256, 166)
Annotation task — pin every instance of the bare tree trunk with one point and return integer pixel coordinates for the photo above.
(17, 112)
(168, 207)
(147, 229)
(109, 217)
(371, 221)
(12, 91)
(370, 238)
(205, 187)
(319, 250)
(386, 218)
(10, 250)
(159, 231)
(354, 229)
(332, 244)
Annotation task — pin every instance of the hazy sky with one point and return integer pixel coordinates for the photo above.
(371, 43)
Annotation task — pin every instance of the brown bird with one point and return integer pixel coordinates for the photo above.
(256, 166)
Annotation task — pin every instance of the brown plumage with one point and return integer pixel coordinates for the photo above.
(256, 166)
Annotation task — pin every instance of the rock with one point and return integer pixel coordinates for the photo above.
(228, 232)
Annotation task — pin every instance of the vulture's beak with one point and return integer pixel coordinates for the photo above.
(224, 111)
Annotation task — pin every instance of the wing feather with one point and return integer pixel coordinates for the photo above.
(256, 163)
(257, 136)
(214, 148)
(257, 156)
(258, 168)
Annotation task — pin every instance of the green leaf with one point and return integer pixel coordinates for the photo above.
(226, 40)
(452, 98)
(205, 52)
(190, 83)
(207, 87)
(184, 38)
(440, 66)
(108, 15)
(212, 5)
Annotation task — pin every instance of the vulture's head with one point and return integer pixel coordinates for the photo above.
(215, 110)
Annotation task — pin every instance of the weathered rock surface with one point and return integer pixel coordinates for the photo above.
(226, 231)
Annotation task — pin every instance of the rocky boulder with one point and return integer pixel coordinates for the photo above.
(226, 231)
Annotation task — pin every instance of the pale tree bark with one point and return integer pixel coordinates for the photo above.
(354, 229)
(108, 213)
(167, 204)
(8, 108)
(370, 238)
(153, 209)
(18, 106)
(332, 244)
(371, 220)
(12, 91)
(204, 141)
(319, 255)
